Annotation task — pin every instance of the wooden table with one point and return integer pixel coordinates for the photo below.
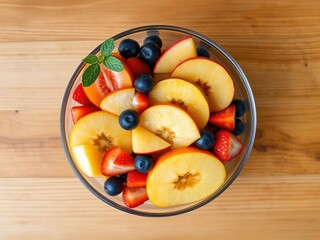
(277, 43)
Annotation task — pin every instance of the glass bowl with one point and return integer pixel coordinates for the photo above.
(243, 91)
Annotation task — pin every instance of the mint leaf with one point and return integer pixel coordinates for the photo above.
(107, 47)
(113, 64)
(91, 59)
(90, 74)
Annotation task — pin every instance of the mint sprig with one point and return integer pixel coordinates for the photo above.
(92, 72)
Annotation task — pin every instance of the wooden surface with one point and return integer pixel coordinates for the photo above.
(277, 43)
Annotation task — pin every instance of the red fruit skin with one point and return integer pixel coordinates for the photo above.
(226, 146)
(134, 197)
(116, 162)
(136, 179)
(79, 112)
(224, 119)
(80, 97)
(140, 102)
(138, 67)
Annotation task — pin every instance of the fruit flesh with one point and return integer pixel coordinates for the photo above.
(183, 176)
(88, 158)
(171, 124)
(211, 77)
(101, 129)
(118, 101)
(184, 95)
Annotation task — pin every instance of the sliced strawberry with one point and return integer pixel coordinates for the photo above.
(138, 67)
(134, 197)
(226, 146)
(224, 119)
(140, 102)
(136, 179)
(80, 111)
(80, 97)
(116, 162)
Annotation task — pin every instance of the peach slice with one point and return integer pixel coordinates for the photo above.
(171, 123)
(88, 158)
(175, 53)
(146, 142)
(157, 77)
(211, 77)
(184, 95)
(118, 101)
(102, 130)
(183, 176)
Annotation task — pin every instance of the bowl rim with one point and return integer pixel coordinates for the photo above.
(251, 102)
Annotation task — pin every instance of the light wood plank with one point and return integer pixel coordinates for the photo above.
(267, 207)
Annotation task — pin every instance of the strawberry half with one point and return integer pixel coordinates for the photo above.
(138, 67)
(80, 97)
(116, 162)
(140, 102)
(136, 179)
(224, 119)
(226, 146)
(80, 111)
(134, 197)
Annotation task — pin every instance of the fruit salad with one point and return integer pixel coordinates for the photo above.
(158, 123)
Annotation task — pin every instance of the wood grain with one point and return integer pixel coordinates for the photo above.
(277, 44)
(268, 207)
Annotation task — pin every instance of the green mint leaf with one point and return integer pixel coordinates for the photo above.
(91, 59)
(113, 64)
(90, 74)
(107, 47)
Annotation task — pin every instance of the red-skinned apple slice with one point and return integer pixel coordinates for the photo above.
(211, 77)
(177, 52)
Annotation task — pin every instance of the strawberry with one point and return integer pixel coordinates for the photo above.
(80, 97)
(116, 162)
(140, 102)
(78, 112)
(136, 179)
(138, 67)
(226, 146)
(224, 119)
(134, 197)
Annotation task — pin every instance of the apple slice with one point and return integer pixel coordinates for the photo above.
(211, 77)
(183, 176)
(171, 123)
(184, 95)
(101, 129)
(146, 142)
(88, 158)
(177, 52)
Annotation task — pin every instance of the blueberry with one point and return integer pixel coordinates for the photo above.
(128, 48)
(113, 186)
(144, 83)
(143, 163)
(240, 107)
(123, 177)
(129, 119)
(206, 140)
(201, 52)
(154, 39)
(239, 128)
(150, 53)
